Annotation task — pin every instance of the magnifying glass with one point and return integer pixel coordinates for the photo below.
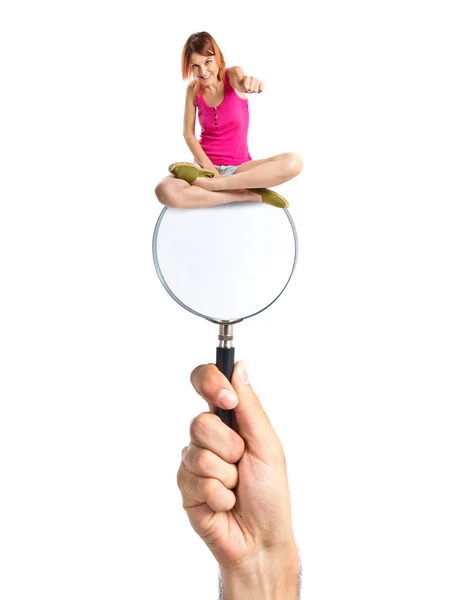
(225, 263)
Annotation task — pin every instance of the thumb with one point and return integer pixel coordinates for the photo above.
(252, 422)
(239, 73)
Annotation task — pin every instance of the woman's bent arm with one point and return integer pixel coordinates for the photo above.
(189, 131)
(198, 153)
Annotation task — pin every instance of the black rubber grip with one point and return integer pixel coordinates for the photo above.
(225, 364)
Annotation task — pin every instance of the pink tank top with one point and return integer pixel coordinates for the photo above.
(224, 128)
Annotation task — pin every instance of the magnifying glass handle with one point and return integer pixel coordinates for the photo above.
(225, 364)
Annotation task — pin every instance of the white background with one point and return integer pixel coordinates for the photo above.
(353, 363)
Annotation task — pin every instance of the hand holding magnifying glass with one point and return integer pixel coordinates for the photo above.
(227, 263)
(235, 491)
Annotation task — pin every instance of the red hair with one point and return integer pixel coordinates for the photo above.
(202, 43)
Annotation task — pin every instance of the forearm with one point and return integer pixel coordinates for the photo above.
(268, 576)
(197, 151)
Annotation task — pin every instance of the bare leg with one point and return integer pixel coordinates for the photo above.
(265, 173)
(179, 194)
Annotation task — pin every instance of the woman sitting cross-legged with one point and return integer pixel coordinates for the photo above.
(223, 170)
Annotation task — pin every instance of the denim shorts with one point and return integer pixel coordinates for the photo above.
(223, 169)
(226, 169)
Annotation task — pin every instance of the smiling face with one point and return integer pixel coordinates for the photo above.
(204, 68)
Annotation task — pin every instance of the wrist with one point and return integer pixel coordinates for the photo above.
(271, 574)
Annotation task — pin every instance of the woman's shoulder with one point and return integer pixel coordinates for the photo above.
(229, 71)
(190, 90)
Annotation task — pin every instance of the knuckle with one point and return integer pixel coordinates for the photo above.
(205, 420)
(209, 375)
(199, 427)
(194, 373)
(209, 488)
(202, 376)
(203, 460)
(195, 429)
(211, 369)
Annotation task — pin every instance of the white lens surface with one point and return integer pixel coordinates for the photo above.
(225, 262)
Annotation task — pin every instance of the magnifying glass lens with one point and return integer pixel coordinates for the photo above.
(227, 262)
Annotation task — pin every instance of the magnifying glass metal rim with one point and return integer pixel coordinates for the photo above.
(212, 319)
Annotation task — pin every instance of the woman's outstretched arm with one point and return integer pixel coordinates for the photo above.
(244, 83)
